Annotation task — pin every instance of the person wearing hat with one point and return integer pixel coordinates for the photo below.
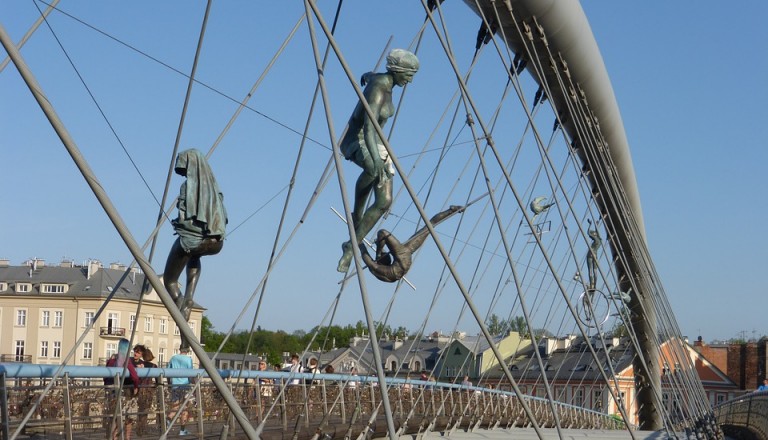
(363, 146)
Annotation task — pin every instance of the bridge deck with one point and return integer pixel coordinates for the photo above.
(86, 408)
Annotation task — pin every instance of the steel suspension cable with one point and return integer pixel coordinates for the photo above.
(175, 70)
(543, 83)
(413, 196)
(121, 228)
(517, 197)
(342, 184)
(31, 31)
(293, 175)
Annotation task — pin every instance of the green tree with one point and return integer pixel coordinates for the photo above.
(495, 325)
(401, 332)
(208, 336)
(518, 324)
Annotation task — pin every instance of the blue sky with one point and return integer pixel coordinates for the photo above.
(689, 79)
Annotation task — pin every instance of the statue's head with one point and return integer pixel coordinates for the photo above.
(187, 159)
(403, 65)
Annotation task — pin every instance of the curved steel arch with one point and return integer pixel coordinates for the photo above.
(568, 33)
(569, 36)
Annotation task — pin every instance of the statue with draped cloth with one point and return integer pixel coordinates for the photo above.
(200, 226)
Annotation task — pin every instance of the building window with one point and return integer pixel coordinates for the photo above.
(88, 319)
(45, 318)
(57, 349)
(176, 331)
(111, 349)
(148, 324)
(20, 351)
(58, 318)
(21, 318)
(113, 321)
(578, 397)
(3, 287)
(53, 288)
(720, 398)
(163, 326)
(597, 399)
(161, 355)
(44, 349)
(88, 350)
(131, 322)
(192, 326)
(23, 287)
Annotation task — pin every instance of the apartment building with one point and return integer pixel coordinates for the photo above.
(45, 309)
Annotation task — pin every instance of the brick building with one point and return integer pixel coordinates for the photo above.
(744, 363)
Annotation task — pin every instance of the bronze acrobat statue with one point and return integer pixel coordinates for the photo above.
(392, 265)
(362, 145)
(597, 242)
(200, 226)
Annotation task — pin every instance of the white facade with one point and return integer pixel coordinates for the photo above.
(45, 309)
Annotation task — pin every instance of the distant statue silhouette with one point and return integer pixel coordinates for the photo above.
(200, 226)
(362, 145)
(392, 265)
(538, 206)
(597, 243)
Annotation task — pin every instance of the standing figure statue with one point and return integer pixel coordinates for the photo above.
(392, 265)
(362, 145)
(200, 226)
(597, 243)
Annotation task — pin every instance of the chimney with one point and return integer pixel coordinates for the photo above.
(4, 262)
(66, 263)
(93, 266)
(547, 346)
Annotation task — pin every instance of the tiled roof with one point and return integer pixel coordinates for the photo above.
(101, 283)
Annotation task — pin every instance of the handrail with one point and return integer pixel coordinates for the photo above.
(747, 414)
(321, 402)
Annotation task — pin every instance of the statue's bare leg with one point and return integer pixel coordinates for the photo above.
(193, 275)
(209, 246)
(399, 254)
(382, 192)
(418, 238)
(177, 260)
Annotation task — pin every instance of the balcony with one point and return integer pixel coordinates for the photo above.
(112, 332)
(25, 358)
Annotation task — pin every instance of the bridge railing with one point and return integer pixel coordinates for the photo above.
(79, 404)
(746, 415)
